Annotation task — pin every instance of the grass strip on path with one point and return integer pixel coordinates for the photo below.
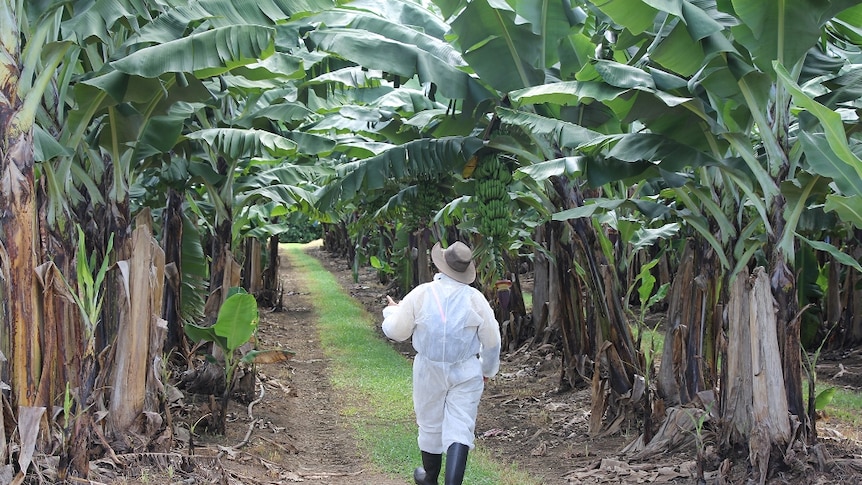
(374, 380)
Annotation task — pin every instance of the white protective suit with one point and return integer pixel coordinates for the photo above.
(457, 342)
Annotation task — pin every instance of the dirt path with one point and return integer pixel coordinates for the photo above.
(299, 435)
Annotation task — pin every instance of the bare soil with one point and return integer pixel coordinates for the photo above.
(296, 434)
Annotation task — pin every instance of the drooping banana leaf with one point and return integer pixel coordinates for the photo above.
(426, 156)
(375, 51)
(503, 50)
(404, 13)
(206, 54)
(235, 143)
(195, 274)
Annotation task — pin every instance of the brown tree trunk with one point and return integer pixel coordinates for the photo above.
(541, 287)
(851, 301)
(172, 245)
(253, 266)
(789, 320)
(220, 270)
(139, 340)
(737, 391)
(756, 409)
(689, 363)
(67, 362)
(832, 300)
(270, 273)
(571, 311)
(423, 255)
(602, 318)
(111, 220)
(21, 320)
(513, 313)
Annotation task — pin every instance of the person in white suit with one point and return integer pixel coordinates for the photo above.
(457, 342)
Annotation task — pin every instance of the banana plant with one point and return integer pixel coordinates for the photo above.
(34, 46)
(106, 118)
(235, 326)
(703, 133)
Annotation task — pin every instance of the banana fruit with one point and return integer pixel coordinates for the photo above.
(492, 197)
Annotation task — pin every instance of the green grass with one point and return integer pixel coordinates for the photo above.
(845, 407)
(375, 381)
(528, 302)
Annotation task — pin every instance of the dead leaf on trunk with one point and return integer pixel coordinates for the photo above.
(29, 418)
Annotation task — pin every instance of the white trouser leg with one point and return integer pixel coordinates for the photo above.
(462, 403)
(446, 400)
(429, 397)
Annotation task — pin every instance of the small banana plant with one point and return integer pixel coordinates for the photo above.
(236, 325)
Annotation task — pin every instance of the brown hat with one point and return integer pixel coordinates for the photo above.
(456, 261)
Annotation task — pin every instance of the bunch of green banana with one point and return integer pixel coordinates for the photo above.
(428, 201)
(492, 197)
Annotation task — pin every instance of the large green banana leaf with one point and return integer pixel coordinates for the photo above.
(783, 30)
(420, 157)
(279, 172)
(206, 54)
(563, 133)
(505, 53)
(98, 20)
(404, 13)
(375, 51)
(848, 208)
(236, 143)
(175, 22)
(410, 34)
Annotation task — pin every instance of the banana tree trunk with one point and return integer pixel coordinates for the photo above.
(567, 311)
(172, 244)
(587, 301)
(513, 313)
(270, 273)
(253, 266)
(336, 240)
(21, 321)
(422, 260)
(17, 226)
(755, 410)
(221, 270)
(783, 284)
(848, 308)
(541, 288)
(66, 359)
(140, 339)
(688, 363)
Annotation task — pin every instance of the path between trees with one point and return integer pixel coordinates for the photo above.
(299, 434)
(296, 432)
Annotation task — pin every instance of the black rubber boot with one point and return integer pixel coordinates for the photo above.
(456, 463)
(429, 471)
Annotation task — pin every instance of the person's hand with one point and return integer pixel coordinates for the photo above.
(390, 301)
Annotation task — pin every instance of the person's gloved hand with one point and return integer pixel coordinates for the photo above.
(390, 307)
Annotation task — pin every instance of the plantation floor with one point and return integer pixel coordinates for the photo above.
(295, 432)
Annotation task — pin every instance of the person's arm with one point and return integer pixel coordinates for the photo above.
(489, 337)
(398, 321)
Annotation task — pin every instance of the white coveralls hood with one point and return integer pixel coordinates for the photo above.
(457, 341)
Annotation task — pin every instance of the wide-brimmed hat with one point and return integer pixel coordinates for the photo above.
(456, 261)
